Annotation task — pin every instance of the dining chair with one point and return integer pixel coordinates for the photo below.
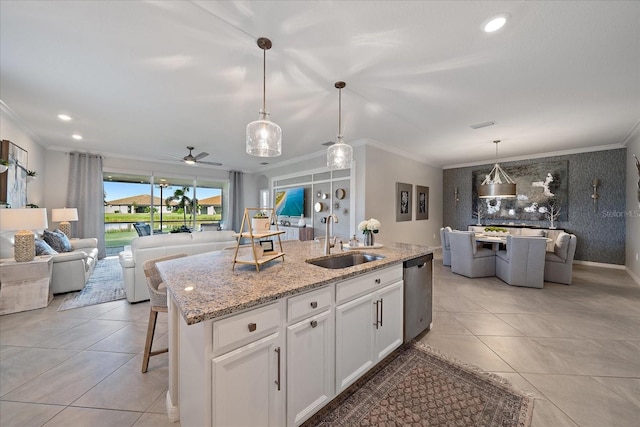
(522, 262)
(558, 265)
(158, 300)
(467, 258)
(446, 246)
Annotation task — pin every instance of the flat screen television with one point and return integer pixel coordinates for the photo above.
(290, 201)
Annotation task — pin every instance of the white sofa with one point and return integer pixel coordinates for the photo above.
(148, 247)
(71, 270)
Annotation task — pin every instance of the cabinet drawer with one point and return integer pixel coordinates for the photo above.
(361, 285)
(241, 329)
(307, 304)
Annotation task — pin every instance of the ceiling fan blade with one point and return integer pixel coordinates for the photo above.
(211, 163)
(201, 155)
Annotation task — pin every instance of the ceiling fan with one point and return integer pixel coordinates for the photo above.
(190, 159)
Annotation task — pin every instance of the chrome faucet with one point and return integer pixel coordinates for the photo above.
(328, 245)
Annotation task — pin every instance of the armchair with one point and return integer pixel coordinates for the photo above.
(522, 263)
(71, 270)
(467, 258)
(558, 266)
(446, 246)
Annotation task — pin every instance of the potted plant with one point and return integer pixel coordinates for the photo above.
(260, 222)
(4, 165)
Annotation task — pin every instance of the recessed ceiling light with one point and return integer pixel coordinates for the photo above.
(76, 136)
(495, 23)
(64, 117)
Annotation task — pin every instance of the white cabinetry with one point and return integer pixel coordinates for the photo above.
(369, 320)
(310, 354)
(246, 385)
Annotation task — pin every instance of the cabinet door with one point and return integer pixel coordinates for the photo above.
(354, 340)
(310, 366)
(388, 334)
(245, 389)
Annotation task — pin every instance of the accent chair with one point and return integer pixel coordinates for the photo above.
(558, 266)
(446, 246)
(522, 263)
(467, 258)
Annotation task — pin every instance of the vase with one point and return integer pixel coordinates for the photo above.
(369, 240)
(301, 222)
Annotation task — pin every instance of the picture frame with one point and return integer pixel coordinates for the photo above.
(13, 182)
(404, 202)
(422, 202)
(267, 245)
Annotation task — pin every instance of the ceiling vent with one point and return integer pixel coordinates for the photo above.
(482, 125)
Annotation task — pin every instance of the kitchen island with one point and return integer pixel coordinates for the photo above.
(273, 347)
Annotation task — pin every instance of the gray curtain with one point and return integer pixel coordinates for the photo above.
(86, 193)
(236, 209)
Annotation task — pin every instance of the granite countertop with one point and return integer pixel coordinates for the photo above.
(205, 287)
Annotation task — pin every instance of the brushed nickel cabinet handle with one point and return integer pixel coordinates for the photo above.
(381, 310)
(314, 304)
(277, 381)
(252, 327)
(314, 323)
(377, 313)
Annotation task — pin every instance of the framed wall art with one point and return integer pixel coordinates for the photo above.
(422, 202)
(403, 201)
(13, 182)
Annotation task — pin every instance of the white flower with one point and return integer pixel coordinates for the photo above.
(369, 225)
(373, 224)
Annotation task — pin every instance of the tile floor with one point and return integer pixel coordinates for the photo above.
(576, 348)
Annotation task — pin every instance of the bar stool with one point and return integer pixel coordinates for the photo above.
(158, 299)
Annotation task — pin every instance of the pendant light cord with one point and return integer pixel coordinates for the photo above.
(340, 112)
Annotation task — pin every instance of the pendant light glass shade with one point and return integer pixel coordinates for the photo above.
(264, 138)
(339, 155)
(498, 183)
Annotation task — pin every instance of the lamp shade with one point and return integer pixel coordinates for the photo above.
(264, 138)
(64, 214)
(23, 219)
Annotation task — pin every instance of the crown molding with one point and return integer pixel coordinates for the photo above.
(538, 156)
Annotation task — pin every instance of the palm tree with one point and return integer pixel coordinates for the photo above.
(180, 195)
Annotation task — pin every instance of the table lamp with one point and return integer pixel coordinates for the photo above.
(24, 220)
(63, 216)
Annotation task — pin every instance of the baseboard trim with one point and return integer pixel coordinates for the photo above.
(173, 412)
(633, 276)
(600, 264)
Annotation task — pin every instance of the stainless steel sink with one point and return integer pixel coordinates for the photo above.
(344, 260)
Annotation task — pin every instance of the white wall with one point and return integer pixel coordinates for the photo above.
(12, 130)
(632, 247)
(382, 170)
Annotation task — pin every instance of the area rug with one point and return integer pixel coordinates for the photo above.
(420, 387)
(104, 285)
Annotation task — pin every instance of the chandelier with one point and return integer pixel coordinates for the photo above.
(498, 183)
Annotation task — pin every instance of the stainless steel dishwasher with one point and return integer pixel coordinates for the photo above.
(418, 295)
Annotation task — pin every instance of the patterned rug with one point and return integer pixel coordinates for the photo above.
(104, 285)
(419, 387)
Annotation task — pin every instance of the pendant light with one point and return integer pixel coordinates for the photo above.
(339, 155)
(264, 138)
(497, 183)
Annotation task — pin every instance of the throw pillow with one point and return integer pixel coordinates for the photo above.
(57, 240)
(561, 248)
(43, 248)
